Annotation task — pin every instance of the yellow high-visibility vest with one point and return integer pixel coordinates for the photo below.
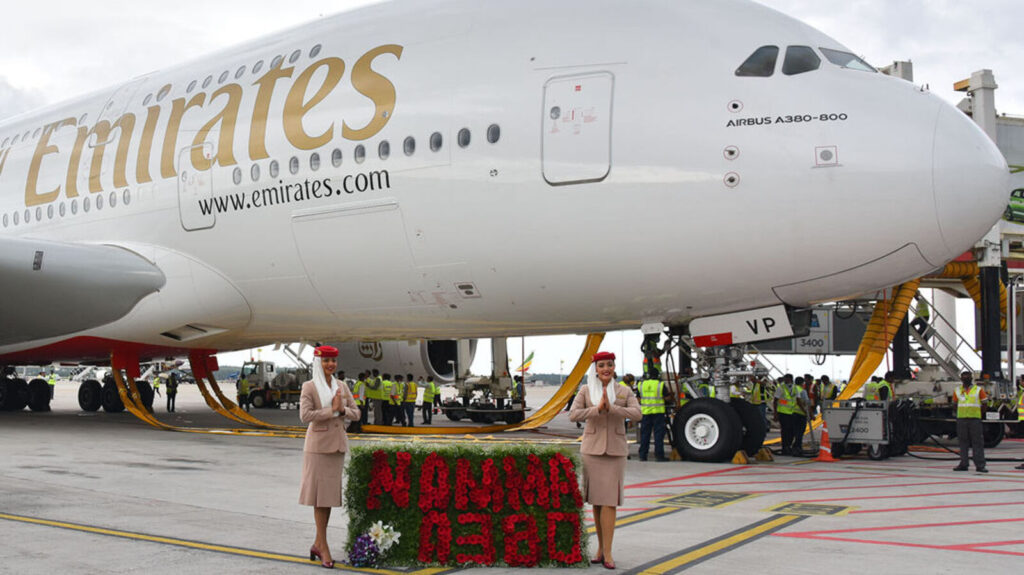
(651, 400)
(968, 403)
(358, 391)
(410, 392)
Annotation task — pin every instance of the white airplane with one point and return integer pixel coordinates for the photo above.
(356, 178)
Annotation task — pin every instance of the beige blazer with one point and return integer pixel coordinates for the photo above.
(605, 433)
(326, 433)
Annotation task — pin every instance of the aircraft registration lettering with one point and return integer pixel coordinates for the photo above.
(305, 93)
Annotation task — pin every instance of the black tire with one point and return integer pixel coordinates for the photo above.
(878, 452)
(17, 395)
(257, 400)
(716, 430)
(852, 448)
(1015, 429)
(111, 399)
(90, 395)
(39, 395)
(754, 430)
(145, 393)
(3, 393)
(992, 434)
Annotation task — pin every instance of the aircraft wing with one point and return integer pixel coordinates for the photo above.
(50, 288)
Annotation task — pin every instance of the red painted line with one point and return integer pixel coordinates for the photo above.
(864, 487)
(902, 544)
(970, 546)
(910, 526)
(817, 479)
(695, 475)
(939, 494)
(929, 507)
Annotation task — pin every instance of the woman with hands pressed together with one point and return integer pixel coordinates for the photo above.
(604, 405)
(325, 404)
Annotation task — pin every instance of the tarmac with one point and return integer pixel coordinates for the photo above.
(104, 493)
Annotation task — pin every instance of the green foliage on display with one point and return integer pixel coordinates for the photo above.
(464, 511)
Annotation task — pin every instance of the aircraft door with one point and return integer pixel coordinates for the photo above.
(577, 122)
(195, 191)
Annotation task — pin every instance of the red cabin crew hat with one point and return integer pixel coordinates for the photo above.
(603, 355)
(325, 351)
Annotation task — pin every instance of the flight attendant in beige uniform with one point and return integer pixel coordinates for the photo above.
(325, 404)
(604, 405)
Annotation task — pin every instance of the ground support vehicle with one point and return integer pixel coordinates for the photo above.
(270, 386)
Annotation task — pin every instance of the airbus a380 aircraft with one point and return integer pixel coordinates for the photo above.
(367, 176)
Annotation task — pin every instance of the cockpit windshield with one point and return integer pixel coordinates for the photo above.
(760, 63)
(800, 59)
(846, 60)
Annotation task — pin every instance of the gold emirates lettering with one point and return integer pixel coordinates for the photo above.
(307, 91)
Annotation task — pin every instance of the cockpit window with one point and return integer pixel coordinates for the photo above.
(846, 60)
(800, 59)
(761, 63)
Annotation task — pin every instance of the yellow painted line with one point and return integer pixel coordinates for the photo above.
(700, 553)
(642, 516)
(198, 545)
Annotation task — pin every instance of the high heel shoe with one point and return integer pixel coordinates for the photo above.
(327, 564)
(314, 553)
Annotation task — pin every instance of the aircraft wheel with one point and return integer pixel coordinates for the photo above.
(17, 395)
(754, 430)
(90, 395)
(992, 434)
(1015, 429)
(39, 395)
(111, 399)
(707, 429)
(257, 400)
(145, 393)
(877, 451)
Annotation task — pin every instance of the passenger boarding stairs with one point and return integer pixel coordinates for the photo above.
(931, 350)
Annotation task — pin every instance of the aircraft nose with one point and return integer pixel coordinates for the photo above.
(970, 180)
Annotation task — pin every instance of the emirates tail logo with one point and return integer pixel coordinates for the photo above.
(371, 350)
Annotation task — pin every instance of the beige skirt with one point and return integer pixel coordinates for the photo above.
(321, 479)
(604, 479)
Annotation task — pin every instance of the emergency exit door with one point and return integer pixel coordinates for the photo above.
(195, 190)
(577, 142)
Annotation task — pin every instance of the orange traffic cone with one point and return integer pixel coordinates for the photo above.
(825, 451)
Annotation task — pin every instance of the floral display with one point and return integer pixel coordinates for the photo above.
(461, 505)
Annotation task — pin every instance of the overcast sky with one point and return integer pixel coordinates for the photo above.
(55, 49)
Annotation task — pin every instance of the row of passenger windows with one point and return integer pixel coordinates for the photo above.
(799, 59)
(164, 91)
(18, 217)
(436, 141)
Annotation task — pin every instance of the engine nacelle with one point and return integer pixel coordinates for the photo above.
(421, 358)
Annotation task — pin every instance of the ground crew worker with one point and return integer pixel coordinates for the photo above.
(375, 393)
(52, 380)
(969, 398)
(156, 386)
(706, 389)
(430, 391)
(243, 393)
(879, 389)
(172, 392)
(409, 402)
(1020, 414)
(359, 394)
(921, 315)
(387, 388)
(652, 408)
(789, 405)
(760, 400)
(827, 391)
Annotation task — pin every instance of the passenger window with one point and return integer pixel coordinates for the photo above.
(336, 157)
(846, 60)
(359, 154)
(293, 165)
(800, 59)
(761, 63)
